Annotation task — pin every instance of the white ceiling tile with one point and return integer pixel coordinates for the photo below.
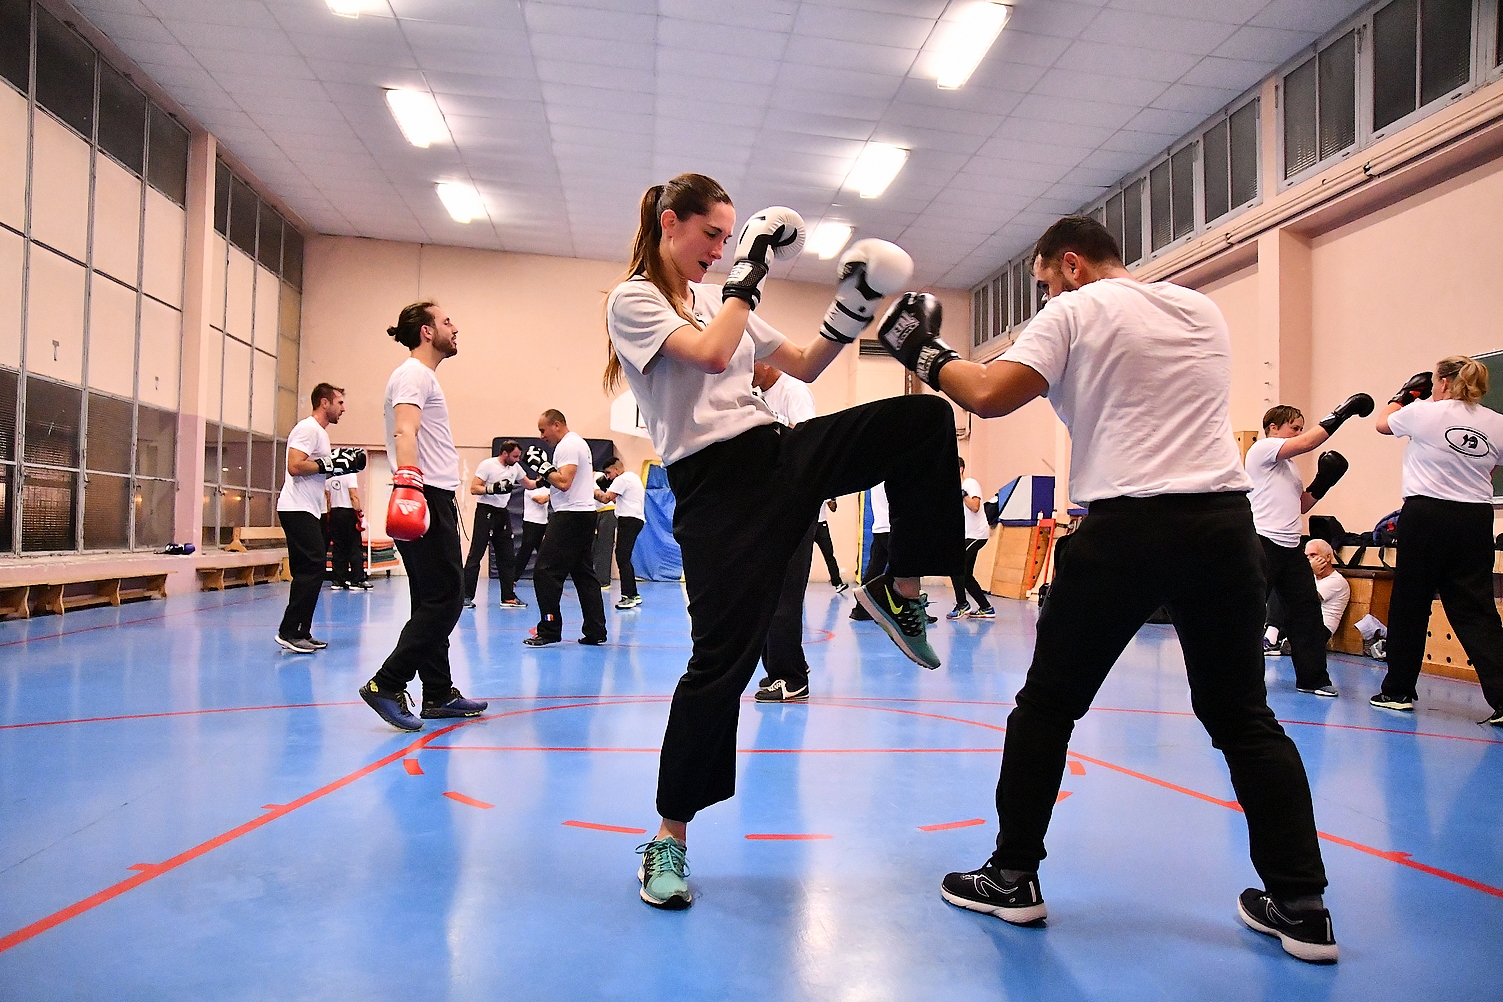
(748, 43)
(470, 13)
(250, 62)
(594, 51)
(617, 78)
(844, 105)
(866, 58)
(235, 13)
(501, 109)
(1152, 31)
(1226, 11)
(1033, 130)
(776, 15)
(1144, 143)
(1259, 44)
(126, 27)
(695, 68)
(833, 80)
(1075, 85)
(1127, 61)
(482, 64)
(973, 97)
(518, 88)
(598, 97)
(500, 44)
(912, 137)
(1161, 120)
(1301, 15)
(819, 125)
(845, 24)
(1190, 98)
(944, 119)
(1051, 17)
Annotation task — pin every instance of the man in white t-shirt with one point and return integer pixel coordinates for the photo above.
(827, 545)
(1140, 373)
(787, 679)
(534, 526)
(494, 480)
(1279, 499)
(423, 521)
(568, 546)
(876, 563)
(346, 523)
(976, 534)
(300, 509)
(625, 491)
(1332, 592)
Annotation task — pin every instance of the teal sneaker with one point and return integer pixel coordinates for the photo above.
(903, 619)
(665, 864)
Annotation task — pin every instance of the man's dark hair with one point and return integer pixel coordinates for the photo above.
(1280, 415)
(1082, 235)
(324, 391)
(509, 445)
(410, 324)
(554, 416)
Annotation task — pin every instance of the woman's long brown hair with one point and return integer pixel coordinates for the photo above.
(687, 195)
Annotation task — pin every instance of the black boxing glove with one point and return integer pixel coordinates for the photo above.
(1419, 387)
(499, 487)
(910, 333)
(1356, 405)
(1331, 467)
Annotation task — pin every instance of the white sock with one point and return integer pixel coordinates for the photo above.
(1272, 634)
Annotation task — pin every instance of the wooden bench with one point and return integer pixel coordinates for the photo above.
(217, 573)
(27, 590)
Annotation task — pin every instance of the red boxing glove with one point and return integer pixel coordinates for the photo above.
(407, 513)
(360, 522)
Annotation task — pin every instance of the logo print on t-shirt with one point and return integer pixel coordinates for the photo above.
(1468, 442)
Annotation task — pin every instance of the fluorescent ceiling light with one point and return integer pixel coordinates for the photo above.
(828, 238)
(462, 201)
(417, 115)
(348, 8)
(875, 168)
(967, 40)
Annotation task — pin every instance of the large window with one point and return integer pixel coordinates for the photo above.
(1422, 51)
(89, 392)
(1320, 106)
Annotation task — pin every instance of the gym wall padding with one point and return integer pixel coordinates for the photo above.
(657, 556)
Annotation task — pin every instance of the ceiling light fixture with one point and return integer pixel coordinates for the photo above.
(462, 201)
(967, 40)
(828, 238)
(417, 115)
(875, 168)
(347, 8)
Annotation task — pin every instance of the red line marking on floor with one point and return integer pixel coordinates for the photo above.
(605, 828)
(788, 838)
(1059, 798)
(742, 751)
(412, 767)
(471, 801)
(270, 807)
(973, 822)
(142, 866)
(1076, 769)
(57, 918)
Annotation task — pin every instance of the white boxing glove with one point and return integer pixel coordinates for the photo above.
(869, 270)
(777, 229)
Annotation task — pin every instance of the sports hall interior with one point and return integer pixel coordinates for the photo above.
(208, 208)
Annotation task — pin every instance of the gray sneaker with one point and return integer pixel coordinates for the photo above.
(295, 646)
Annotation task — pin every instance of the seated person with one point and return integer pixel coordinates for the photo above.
(1333, 590)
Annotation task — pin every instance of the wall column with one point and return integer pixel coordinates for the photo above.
(1284, 319)
(188, 513)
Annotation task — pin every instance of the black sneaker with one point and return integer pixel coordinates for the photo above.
(904, 620)
(840, 589)
(592, 641)
(455, 706)
(1306, 935)
(1328, 690)
(469, 603)
(1385, 702)
(393, 707)
(1496, 719)
(985, 891)
(780, 692)
(361, 585)
(540, 641)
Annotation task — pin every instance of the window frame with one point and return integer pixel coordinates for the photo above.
(1479, 74)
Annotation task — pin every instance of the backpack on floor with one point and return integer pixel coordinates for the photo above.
(1386, 532)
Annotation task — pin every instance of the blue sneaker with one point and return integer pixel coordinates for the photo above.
(455, 706)
(665, 864)
(902, 619)
(392, 707)
(987, 613)
(959, 612)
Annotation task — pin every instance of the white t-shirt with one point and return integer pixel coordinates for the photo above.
(879, 509)
(790, 399)
(1452, 449)
(1141, 375)
(574, 451)
(305, 493)
(685, 409)
(975, 521)
(631, 496)
(415, 383)
(1334, 593)
(824, 512)
(533, 510)
(1276, 492)
(491, 470)
(339, 490)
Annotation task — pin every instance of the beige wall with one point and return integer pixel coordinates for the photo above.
(531, 337)
(1237, 296)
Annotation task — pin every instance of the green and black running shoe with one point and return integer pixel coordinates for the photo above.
(904, 619)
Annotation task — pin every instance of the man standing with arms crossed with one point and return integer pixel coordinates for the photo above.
(424, 522)
(300, 509)
(1141, 376)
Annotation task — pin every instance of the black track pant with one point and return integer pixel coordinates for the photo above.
(491, 523)
(783, 653)
(1198, 555)
(628, 527)
(531, 539)
(306, 558)
(827, 549)
(605, 544)
(568, 551)
(1444, 546)
(737, 543)
(349, 552)
(966, 581)
(1290, 577)
(435, 581)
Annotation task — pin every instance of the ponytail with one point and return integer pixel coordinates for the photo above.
(408, 331)
(687, 195)
(1467, 375)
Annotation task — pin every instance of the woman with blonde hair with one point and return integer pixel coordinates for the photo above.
(1445, 526)
(747, 488)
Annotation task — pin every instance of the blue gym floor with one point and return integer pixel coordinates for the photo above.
(189, 813)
